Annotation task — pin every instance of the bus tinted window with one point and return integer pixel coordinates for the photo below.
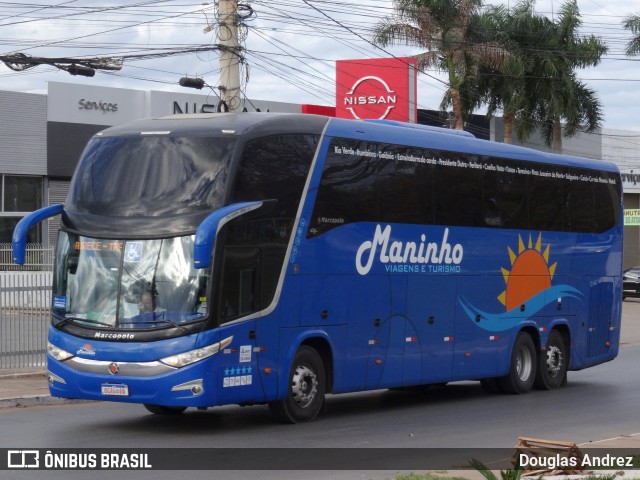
(275, 167)
(151, 175)
(271, 168)
(369, 182)
(548, 204)
(505, 198)
(457, 193)
(392, 184)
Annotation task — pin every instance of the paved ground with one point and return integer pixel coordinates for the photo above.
(30, 389)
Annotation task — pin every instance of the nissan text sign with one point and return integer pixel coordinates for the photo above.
(381, 88)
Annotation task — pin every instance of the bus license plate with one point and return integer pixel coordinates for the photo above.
(118, 390)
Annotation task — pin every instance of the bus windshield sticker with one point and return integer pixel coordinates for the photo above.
(133, 252)
(237, 377)
(60, 302)
(245, 353)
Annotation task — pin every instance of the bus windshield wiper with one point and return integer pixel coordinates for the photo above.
(155, 321)
(80, 319)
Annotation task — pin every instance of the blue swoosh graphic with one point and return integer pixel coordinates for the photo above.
(500, 322)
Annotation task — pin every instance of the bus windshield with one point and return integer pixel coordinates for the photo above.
(151, 176)
(141, 284)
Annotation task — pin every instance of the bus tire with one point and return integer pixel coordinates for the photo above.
(163, 409)
(553, 363)
(306, 388)
(522, 368)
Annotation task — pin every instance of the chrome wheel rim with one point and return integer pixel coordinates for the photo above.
(554, 361)
(524, 364)
(304, 386)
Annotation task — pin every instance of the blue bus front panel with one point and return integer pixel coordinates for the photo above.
(134, 372)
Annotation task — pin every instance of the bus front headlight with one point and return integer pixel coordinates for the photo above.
(192, 356)
(58, 353)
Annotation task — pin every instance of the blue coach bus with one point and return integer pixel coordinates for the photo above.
(206, 260)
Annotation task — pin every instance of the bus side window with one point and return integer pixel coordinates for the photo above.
(404, 193)
(347, 191)
(505, 199)
(607, 205)
(580, 207)
(240, 285)
(254, 246)
(458, 196)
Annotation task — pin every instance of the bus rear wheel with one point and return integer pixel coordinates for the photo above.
(522, 369)
(307, 385)
(552, 367)
(163, 409)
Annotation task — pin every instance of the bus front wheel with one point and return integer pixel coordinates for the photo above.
(306, 390)
(522, 369)
(164, 410)
(552, 367)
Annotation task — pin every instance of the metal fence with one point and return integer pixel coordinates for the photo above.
(25, 299)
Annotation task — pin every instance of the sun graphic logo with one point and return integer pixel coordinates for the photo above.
(530, 273)
(528, 281)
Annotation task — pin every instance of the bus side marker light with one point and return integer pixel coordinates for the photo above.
(267, 370)
(52, 378)
(378, 362)
(467, 354)
(194, 386)
(448, 339)
(543, 329)
(411, 339)
(259, 349)
(494, 337)
(374, 342)
(607, 344)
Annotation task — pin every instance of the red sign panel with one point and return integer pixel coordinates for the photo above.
(381, 88)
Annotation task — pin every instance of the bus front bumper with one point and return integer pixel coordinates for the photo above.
(150, 383)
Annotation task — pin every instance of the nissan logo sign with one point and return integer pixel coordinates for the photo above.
(371, 94)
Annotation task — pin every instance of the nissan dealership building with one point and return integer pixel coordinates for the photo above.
(43, 135)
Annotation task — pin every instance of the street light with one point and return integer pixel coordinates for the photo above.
(189, 82)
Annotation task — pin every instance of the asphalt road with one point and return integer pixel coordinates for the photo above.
(598, 403)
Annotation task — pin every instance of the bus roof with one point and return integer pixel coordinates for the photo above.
(442, 139)
(229, 123)
(259, 124)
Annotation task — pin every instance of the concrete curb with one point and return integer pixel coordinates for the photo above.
(18, 390)
(32, 400)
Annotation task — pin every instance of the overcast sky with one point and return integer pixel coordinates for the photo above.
(291, 47)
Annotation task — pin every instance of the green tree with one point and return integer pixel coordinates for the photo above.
(632, 23)
(518, 31)
(538, 87)
(454, 37)
(554, 93)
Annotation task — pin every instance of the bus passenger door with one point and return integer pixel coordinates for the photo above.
(239, 294)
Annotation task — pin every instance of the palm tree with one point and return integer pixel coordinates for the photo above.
(454, 39)
(632, 22)
(538, 86)
(518, 31)
(554, 92)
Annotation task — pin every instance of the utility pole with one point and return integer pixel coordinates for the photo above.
(229, 54)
